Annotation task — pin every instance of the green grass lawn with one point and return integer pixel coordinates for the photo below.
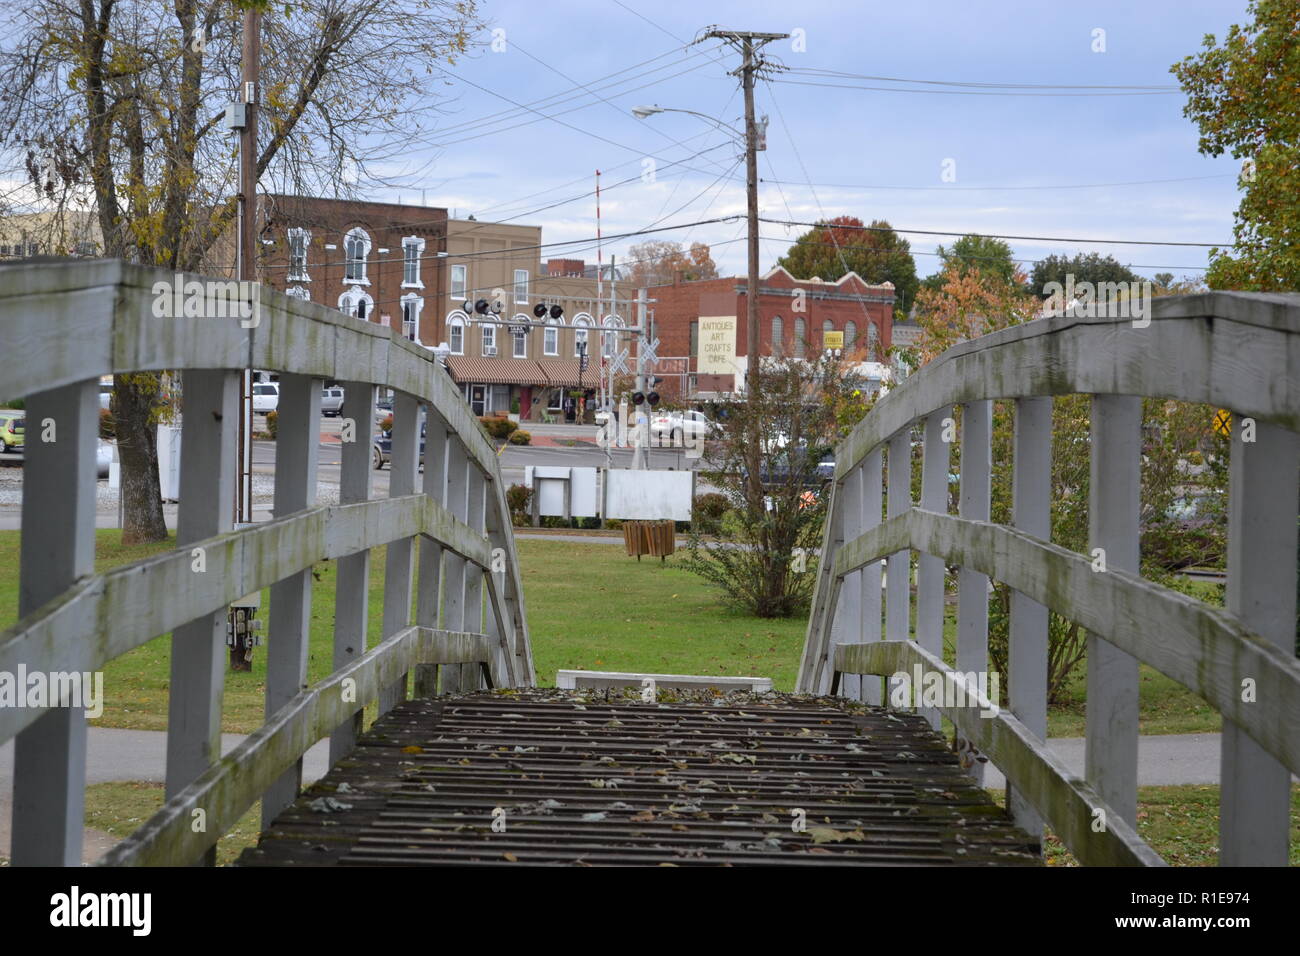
(589, 606)
(1180, 823)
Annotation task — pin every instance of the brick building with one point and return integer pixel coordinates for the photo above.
(863, 312)
(382, 262)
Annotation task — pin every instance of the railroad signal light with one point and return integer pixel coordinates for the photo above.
(556, 312)
(637, 398)
(653, 399)
(539, 310)
(481, 306)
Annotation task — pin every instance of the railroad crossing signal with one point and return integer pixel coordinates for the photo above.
(618, 364)
(649, 351)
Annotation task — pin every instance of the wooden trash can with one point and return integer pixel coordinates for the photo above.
(655, 538)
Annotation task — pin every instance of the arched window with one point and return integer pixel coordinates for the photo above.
(551, 338)
(489, 331)
(456, 332)
(412, 306)
(580, 334)
(850, 334)
(800, 331)
(826, 327)
(609, 346)
(356, 248)
(356, 303)
(778, 334)
(521, 338)
(873, 342)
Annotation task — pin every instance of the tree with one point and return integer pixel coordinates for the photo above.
(761, 561)
(1085, 267)
(1242, 95)
(982, 254)
(115, 106)
(1182, 458)
(833, 248)
(659, 261)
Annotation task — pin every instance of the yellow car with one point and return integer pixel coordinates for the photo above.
(12, 425)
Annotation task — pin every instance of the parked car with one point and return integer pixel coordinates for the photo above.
(784, 461)
(382, 451)
(383, 410)
(678, 426)
(266, 397)
(13, 426)
(331, 400)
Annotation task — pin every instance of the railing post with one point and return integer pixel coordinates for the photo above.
(399, 564)
(898, 575)
(973, 587)
(1255, 787)
(514, 648)
(872, 471)
(472, 675)
(57, 547)
(1111, 755)
(848, 611)
(352, 592)
(209, 430)
(428, 603)
(930, 568)
(296, 453)
(1027, 637)
(827, 592)
(453, 565)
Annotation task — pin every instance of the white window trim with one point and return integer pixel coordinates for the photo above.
(609, 337)
(356, 232)
(418, 243)
(581, 334)
(298, 292)
(418, 307)
(518, 300)
(489, 340)
(305, 234)
(464, 282)
(552, 329)
(519, 319)
(348, 303)
(456, 320)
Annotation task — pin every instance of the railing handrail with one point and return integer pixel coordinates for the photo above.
(71, 323)
(1226, 350)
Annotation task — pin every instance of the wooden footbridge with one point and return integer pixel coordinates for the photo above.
(469, 762)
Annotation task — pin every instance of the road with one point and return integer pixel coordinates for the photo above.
(513, 459)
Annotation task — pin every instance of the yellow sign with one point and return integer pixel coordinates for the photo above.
(832, 340)
(1223, 423)
(717, 345)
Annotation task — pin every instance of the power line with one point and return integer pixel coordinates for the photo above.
(990, 235)
(1135, 182)
(977, 84)
(891, 89)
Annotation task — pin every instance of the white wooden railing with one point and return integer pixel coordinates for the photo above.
(65, 325)
(1226, 350)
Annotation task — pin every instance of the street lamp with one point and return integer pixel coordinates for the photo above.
(755, 138)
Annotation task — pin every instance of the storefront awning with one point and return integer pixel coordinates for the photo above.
(496, 371)
(563, 373)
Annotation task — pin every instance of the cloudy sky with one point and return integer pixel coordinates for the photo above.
(1025, 148)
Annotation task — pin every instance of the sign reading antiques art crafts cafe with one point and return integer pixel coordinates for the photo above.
(717, 345)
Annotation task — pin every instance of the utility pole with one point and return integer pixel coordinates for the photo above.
(748, 43)
(250, 69)
(640, 455)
